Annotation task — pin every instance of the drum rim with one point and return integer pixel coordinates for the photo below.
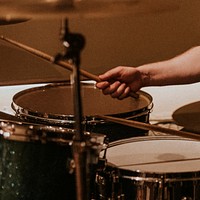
(169, 177)
(68, 118)
(31, 132)
(147, 138)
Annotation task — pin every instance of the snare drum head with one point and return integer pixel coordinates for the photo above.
(155, 154)
(57, 99)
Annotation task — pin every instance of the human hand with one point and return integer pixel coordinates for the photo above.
(120, 81)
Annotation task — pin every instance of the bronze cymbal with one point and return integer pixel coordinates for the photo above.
(188, 116)
(4, 21)
(82, 8)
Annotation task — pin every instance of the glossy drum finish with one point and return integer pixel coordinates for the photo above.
(151, 168)
(35, 161)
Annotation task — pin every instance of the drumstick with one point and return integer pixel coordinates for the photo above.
(61, 63)
(152, 127)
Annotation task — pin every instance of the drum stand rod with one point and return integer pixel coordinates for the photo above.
(79, 144)
(74, 44)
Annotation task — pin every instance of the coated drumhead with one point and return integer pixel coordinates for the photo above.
(155, 154)
(57, 100)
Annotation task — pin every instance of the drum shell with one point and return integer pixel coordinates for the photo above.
(35, 171)
(114, 182)
(91, 123)
(115, 131)
(35, 162)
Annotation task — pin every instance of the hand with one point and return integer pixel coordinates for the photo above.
(120, 81)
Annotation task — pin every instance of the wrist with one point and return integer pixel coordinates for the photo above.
(145, 76)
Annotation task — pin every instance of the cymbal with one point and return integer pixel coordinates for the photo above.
(188, 116)
(82, 8)
(4, 21)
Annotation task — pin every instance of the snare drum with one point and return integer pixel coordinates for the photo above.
(151, 168)
(35, 161)
(53, 104)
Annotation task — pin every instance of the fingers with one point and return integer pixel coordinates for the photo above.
(115, 90)
(121, 92)
(115, 82)
(112, 88)
(111, 74)
(109, 79)
(102, 85)
(125, 93)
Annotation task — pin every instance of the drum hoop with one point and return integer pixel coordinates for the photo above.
(183, 177)
(162, 177)
(29, 132)
(60, 117)
(146, 138)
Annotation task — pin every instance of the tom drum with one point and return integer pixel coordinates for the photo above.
(35, 161)
(53, 104)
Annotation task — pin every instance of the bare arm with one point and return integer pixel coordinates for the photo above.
(182, 69)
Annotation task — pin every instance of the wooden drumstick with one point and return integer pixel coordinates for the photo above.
(146, 126)
(61, 63)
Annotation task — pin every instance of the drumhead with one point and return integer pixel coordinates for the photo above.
(55, 101)
(158, 154)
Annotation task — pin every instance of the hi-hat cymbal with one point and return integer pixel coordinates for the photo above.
(188, 116)
(80, 8)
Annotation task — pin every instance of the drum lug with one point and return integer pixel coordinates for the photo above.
(71, 166)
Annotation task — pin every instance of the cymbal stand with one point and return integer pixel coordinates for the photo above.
(74, 43)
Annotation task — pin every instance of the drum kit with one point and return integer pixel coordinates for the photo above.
(69, 141)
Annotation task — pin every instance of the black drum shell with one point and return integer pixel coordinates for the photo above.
(35, 161)
(35, 171)
(115, 131)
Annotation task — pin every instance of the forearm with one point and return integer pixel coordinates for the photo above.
(182, 69)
